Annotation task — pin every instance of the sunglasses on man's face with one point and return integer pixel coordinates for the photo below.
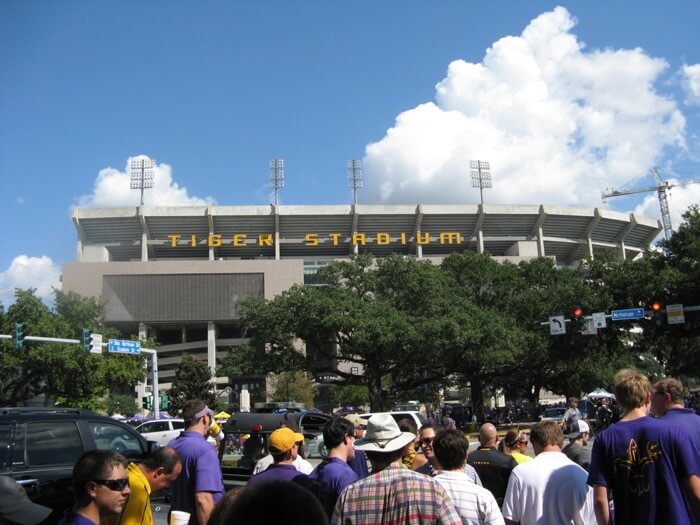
(113, 484)
(427, 441)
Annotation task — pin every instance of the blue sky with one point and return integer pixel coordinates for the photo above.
(563, 101)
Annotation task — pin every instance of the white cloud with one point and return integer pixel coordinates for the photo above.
(19, 200)
(558, 124)
(679, 200)
(112, 189)
(25, 272)
(690, 76)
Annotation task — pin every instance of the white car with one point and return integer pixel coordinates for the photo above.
(161, 430)
(417, 417)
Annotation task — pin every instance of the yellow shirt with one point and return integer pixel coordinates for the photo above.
(138, 509)
(520, 458)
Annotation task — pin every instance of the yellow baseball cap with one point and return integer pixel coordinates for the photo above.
(283, 439)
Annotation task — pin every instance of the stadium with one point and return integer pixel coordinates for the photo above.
(175, 273)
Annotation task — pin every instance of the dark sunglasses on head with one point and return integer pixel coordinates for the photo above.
(113, 484)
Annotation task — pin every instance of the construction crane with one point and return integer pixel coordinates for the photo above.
(662, 187)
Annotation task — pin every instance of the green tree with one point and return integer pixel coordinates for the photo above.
(193, 380)
(123, 404)
(294, 386)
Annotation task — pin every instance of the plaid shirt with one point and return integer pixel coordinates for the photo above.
(396, 496)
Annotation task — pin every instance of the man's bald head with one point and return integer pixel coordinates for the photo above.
(488, 435)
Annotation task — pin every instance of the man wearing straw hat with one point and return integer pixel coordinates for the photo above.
(392, 493)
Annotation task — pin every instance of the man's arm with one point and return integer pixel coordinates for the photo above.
(204, 501)
(693, 488)
(600, 505)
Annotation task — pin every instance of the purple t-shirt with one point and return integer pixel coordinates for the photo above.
(73, 518)
(686, 419)
(200, 473)
(359, 464)
(644, 462)
(275, 472)
(335, 474)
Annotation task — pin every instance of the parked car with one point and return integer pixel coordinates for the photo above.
(553, 414)
(246, 435)
(417, 417)
(161, 430)
(39, 446)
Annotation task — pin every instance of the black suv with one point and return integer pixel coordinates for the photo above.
(39, 446)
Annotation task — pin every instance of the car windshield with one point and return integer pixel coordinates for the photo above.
(554, 412)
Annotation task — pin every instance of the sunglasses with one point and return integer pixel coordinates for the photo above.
(427, 441)
(113, 484)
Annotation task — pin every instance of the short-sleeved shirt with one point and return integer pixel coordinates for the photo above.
(395, 495)
(331, 476)
(549, 489)
(475, 504)
(200, 473)
(73, 518)
(644, 462)
(277, 472)
(494, 468)
(578, 454)
(359, 464)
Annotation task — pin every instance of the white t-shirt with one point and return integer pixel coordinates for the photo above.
(300, 463)
(549, 489)
(475, 505)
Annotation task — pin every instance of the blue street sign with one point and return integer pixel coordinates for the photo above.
(630, 313)
(122, 346)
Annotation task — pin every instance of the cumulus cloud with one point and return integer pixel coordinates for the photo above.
(558, 123)
(25, 272)
(690, 80)
(112, 189)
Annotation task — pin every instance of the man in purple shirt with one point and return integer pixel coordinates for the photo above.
(644, 462)
(333, 474)
(284, 447)
(200, 486)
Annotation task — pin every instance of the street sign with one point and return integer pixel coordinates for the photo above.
(557, 325)
(122, 346)
(95, 343)
(626, 315)
(589, 328)
(599, 319)
(674, 314)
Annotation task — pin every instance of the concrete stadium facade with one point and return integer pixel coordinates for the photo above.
(175, 273)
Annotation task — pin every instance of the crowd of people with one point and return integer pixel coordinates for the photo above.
(640, 470)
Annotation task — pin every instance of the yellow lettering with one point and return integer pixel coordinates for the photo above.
(359, 238)
(239, 239)
(311, 239)
(193, 240)
(383, 238)
(335, 238)
(423, 240)
(403, 238)
(450, 238)
(265, 239)
(173, 240)
(214, 240)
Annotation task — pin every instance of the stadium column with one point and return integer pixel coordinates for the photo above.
(211, 345)
(539, 232)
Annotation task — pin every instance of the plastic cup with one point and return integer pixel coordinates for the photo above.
(179, 517)
(215, 431)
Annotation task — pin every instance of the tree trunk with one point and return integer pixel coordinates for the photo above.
(374, 385)
(477, 397)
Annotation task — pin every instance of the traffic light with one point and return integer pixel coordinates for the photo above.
(578, 321)
(164, 401)
(86, 340)
(657, 313)
(19, 335)
(147, 402)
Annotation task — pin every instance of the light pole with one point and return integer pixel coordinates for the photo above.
(142, 174)
(354, 177)
(481, 176)
(277, 176)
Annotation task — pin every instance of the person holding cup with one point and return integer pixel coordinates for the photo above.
(200, 485)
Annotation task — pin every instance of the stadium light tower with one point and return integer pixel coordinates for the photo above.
(277, 176)
(481, 176)
(354, 177)
(142, 174)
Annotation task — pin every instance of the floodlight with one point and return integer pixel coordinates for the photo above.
(354, 177)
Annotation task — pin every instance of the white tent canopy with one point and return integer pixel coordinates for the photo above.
(599, 393)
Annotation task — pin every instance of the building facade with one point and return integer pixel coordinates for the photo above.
(176, 273)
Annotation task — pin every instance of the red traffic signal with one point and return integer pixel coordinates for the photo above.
(656, 307)
(577, 312)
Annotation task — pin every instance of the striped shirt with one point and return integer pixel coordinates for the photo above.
(395, 495)
(476, 505)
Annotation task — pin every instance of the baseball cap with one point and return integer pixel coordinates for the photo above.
(283, 439)
(579, 427)
(15, 505)
(356, 420)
